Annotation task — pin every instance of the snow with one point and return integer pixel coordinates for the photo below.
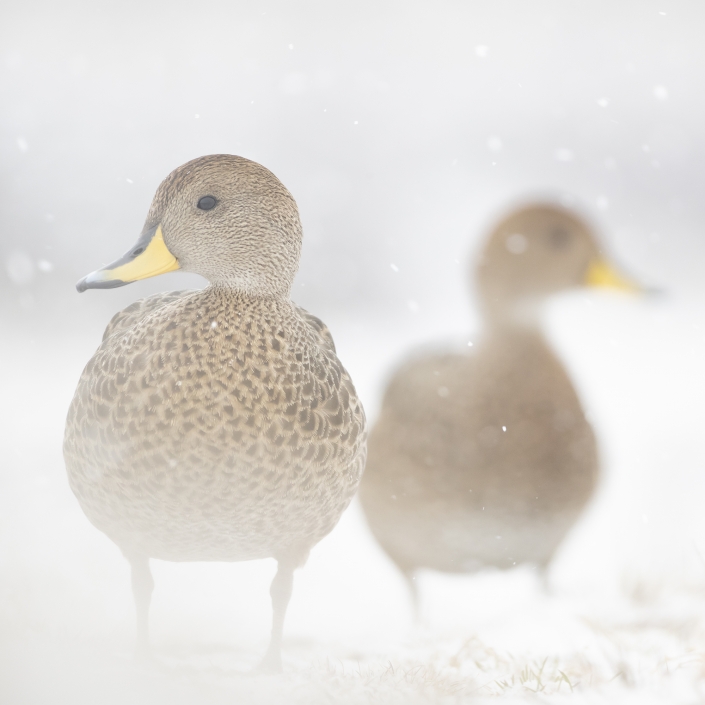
(463, 110)
(623, 617)
(20, 268)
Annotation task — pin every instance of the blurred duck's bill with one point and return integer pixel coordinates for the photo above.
(148, 258)
(602, 274)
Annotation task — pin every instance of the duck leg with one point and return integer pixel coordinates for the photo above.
(545, 581)
(142, 587)
(411, 581)
(280, 590)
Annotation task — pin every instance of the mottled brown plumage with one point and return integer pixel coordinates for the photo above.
(218, 424)
(485, 458)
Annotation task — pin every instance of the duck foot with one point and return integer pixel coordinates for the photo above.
(271, 664)
(143, 652)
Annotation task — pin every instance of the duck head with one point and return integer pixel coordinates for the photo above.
(221, 216)
(537, 251)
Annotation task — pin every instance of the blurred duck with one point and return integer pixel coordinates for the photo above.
(486, 458)
(215, 425)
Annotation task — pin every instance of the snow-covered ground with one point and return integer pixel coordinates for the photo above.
(402, 129)
(624, 620)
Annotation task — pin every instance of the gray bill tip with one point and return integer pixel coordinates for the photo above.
(92, 282)
(656, 292)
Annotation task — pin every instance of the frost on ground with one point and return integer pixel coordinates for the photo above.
(66, 615)
(643, 657)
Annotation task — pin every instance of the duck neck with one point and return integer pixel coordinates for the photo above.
(520, 317)
(247, 297)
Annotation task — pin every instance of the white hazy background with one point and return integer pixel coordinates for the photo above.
(403, 129)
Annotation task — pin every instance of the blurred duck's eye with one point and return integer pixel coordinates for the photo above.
(206, 203)
(559, 238)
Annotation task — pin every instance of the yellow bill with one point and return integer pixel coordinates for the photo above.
(601, 273)
(148, 258)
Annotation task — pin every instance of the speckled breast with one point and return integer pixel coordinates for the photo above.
(215, 429)
(468, 468)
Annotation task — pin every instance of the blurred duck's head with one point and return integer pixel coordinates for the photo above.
(537, 251)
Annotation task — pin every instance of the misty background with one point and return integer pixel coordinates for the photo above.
(403, 130)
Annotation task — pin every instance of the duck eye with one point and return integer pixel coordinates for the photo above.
(559, 238)
(138, 251)
(206, 203)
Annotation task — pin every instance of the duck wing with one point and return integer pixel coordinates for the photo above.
(127, 318)
(326, 339)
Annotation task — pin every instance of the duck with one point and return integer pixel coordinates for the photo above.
(484, 457)
(215, 424)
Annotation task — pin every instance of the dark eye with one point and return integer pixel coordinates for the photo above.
(138, 251)
(559, 238)
(206, 203)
